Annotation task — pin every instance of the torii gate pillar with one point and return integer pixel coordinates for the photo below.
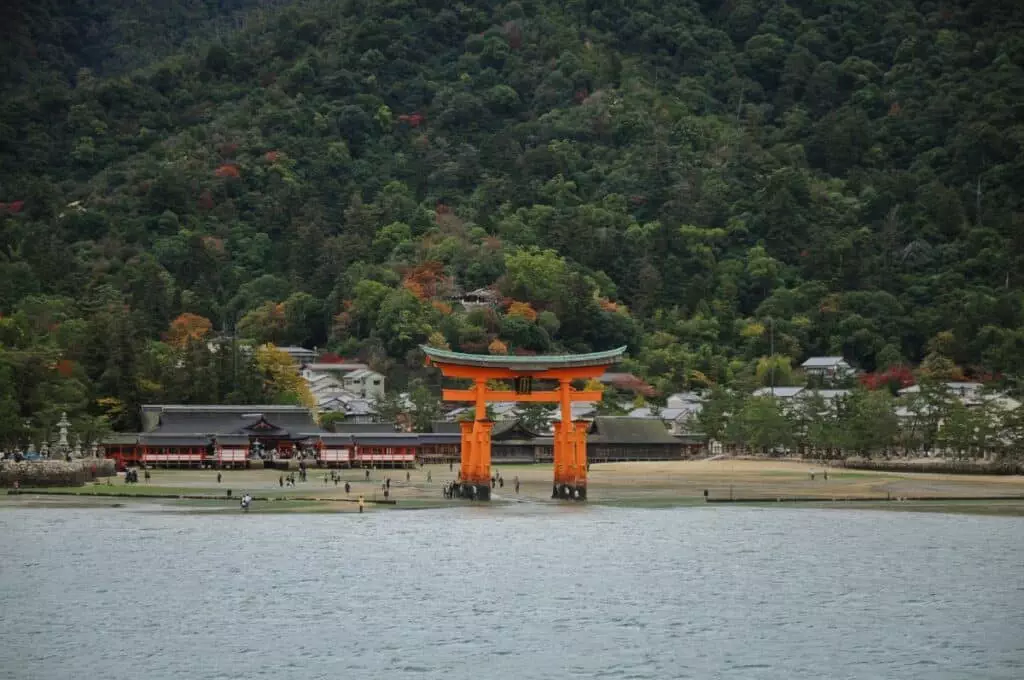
(570, 459)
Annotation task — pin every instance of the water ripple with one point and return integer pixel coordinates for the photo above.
(524, 592)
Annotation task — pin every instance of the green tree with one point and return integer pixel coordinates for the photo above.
(761, 425)
(426, 407)
(870, 424)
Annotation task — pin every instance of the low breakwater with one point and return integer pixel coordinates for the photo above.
(951, 467)
(43, 473)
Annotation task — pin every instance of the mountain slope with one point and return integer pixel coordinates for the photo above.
(690, 178)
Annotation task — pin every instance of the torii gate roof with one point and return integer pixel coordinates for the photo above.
(524, 363)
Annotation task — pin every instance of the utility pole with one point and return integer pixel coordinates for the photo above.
(771, 342)
(234, 357)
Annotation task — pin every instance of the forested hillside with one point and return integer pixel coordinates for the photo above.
(683, 177)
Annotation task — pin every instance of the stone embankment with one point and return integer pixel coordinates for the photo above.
(44, 473)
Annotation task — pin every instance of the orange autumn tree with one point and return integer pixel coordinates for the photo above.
(497, 347)
(426, 280)
(522, 310)
(187, 328)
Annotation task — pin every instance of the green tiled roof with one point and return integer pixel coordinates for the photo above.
(525, 363)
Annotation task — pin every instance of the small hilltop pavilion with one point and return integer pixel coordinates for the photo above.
(560, 372)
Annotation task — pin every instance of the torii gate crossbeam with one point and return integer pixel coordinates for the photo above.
(570, 459)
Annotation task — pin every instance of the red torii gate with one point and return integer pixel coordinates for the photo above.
(570, 478)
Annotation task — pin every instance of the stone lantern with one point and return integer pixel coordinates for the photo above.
(62, 442)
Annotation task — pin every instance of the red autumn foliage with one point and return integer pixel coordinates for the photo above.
(227, 170)
(627, 382)
(637, 199)
(12, 207)
(272, 156)
(804, 253)
(330, 358)
(895, 109)
(893, 378)
(66, 368)
(414, 120)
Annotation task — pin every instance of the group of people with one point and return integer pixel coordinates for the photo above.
(289, 479)
(454, 488)
(131, 476)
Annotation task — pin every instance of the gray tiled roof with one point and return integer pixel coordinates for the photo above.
(822, 362)
(364, 428)
(626, 430)
(778, 392)
(232, 439)
(212, 420)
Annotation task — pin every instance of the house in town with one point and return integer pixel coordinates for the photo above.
(827, 369)
(300, 355)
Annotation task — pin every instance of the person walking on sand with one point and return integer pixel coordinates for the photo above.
(218, 477)
(428, 476)
(360, 505)
(347, 488)
(407, 476)
(280, 481)
(517, 483)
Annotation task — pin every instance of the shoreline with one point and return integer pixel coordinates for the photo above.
(666, 484)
